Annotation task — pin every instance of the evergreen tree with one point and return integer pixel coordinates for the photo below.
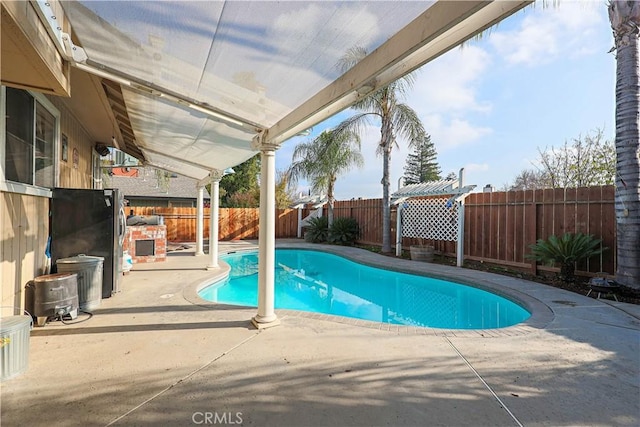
(422, 165)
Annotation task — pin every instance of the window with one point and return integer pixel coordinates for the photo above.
(30, 139)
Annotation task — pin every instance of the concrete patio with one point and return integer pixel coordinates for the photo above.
(155, 354)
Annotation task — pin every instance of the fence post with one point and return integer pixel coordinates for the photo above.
(532, 231)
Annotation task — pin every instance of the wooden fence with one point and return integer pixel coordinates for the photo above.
(236, 223)
(499, 226)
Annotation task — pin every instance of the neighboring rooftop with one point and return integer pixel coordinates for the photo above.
(146, 184)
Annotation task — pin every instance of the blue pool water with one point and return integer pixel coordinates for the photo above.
(325, 283)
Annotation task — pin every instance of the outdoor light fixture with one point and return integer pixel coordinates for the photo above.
(102, 149)
(214, 114)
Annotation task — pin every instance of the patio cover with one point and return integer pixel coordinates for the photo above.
(200, 80)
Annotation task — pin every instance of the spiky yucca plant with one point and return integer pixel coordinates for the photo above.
(566, 251)
(344, 231)
(317, 230)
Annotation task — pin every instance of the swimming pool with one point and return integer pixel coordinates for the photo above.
(320, 282)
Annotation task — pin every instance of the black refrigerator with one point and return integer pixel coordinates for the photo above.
(90, 222)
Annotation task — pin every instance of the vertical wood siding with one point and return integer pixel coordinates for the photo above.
(24, 229)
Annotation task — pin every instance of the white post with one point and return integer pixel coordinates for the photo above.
(200, 222)
(213, 223)
(266, 316)
(399, 230)
(460, 245)
(299, 223)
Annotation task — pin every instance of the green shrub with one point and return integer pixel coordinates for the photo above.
(344, 231)
(318, 230)
(566, 251)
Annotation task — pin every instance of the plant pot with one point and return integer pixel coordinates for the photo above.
(421, 253)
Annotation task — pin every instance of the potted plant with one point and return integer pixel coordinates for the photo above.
(422, 251)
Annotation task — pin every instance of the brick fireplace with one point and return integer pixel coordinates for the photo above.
(146, 243)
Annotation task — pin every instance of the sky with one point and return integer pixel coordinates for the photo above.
(541, 77)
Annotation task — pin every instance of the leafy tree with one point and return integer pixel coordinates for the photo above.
(582, 162)
(625, 20)
(284, 192)
(397, 120)
(528, 179)
(243, 181)
(323, 159)
(421, 165)
(244, 200)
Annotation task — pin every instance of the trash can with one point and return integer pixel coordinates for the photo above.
(14, 345)
(89, 271)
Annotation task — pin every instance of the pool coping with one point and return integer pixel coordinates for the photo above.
(507, 287)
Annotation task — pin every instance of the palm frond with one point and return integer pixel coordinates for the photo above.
(407, 124)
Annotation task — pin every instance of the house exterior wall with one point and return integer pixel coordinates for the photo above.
(24, 218)
(25, 228)
(70, 174)
(33, 63)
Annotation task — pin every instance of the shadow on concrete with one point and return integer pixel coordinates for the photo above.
(290, 390)
(155, 268)
(244, 324)
(167, 308)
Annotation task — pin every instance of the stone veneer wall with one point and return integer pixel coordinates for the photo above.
(157, 233)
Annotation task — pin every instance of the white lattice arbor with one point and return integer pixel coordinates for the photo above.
(439, 217)
(314, 201)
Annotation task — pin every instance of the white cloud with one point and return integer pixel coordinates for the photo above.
(548, 33)
(454, 132)
(476, 167)
(450, 83)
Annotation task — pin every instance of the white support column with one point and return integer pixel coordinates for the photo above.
(216, 176)
(266, 316)
(200, 222)
(399, 230)
(460, 244)
(299, 223)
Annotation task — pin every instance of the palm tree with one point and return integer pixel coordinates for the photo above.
(396, 120)
(323, 159)
(625, 22)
